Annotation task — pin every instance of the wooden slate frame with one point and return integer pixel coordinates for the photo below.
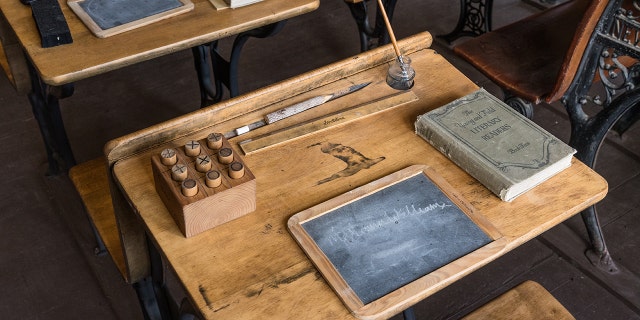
(99, 32)
(407, 295)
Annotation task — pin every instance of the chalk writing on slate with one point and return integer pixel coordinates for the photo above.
(394, 236)
(112, 13)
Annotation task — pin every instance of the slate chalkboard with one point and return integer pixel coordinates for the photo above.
(112, 13)
(108, 17)
(382, 237)
(394, 236)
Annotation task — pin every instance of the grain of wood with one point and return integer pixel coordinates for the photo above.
(527, 301)
(89, 55)
(250, 267)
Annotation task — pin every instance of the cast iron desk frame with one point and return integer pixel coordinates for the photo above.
(233, 257)
(619, 108)
(474, 20)
(50, 83)
(595, 107)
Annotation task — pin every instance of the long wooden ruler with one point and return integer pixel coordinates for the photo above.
(325, 122)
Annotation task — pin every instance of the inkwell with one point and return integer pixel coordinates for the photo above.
(400, 75)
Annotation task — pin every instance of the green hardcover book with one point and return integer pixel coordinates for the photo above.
(501, 148)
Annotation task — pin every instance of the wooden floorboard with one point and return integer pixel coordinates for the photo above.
(620, 288)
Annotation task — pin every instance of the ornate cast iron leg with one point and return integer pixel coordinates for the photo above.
(626, 121)
(359, 14)
(224, 72)
(44, 100)
(408, 314)
(100, 249)
(587, 134)
(187, 311)
(208, 94)
(522, 106)
(610, 43)
(151, 290)
(367, 33)
(474, 19)
(46, 110)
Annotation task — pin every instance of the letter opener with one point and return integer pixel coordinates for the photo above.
(294, 109)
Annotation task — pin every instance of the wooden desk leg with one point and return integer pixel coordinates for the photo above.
(46, 109)
(379, 31)
(474, 20)
(224, 72)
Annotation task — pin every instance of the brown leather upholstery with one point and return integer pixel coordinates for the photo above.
(536, 58)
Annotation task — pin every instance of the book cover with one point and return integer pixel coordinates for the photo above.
(498, 146)
(226, 4)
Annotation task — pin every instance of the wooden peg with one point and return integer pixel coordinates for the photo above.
(203, 163)
(179, 172)
(225, 155)
(189, 188)
(236, 170)
(168, 157)
(213, 178)
(192, 148)
(214, 141)
(207, 186)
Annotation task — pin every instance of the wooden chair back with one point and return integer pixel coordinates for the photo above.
(581, 39)
(537, 58)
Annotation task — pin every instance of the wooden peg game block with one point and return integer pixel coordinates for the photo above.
(222, 192)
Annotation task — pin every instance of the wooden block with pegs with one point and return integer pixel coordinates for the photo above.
(203, 184)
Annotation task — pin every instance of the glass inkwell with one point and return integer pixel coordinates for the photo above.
(400, 75)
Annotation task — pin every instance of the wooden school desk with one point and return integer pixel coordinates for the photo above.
(251, 267)
(54, 69)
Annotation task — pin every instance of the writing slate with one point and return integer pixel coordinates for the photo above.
(401, 231)
(394, 236)
(108, 17)
(112, 13)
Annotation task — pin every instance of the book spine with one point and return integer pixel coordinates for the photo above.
(462, 156)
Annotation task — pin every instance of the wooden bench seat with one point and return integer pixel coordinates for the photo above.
(527, 301)
(91, 181)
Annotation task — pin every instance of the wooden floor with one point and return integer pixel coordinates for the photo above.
(48, 266)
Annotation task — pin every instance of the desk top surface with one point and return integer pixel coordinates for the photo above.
(251, 267)
(89, 55)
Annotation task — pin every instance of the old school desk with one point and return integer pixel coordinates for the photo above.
(53, 70)
(251, 268)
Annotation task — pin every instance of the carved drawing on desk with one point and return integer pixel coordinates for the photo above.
(355, 160)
